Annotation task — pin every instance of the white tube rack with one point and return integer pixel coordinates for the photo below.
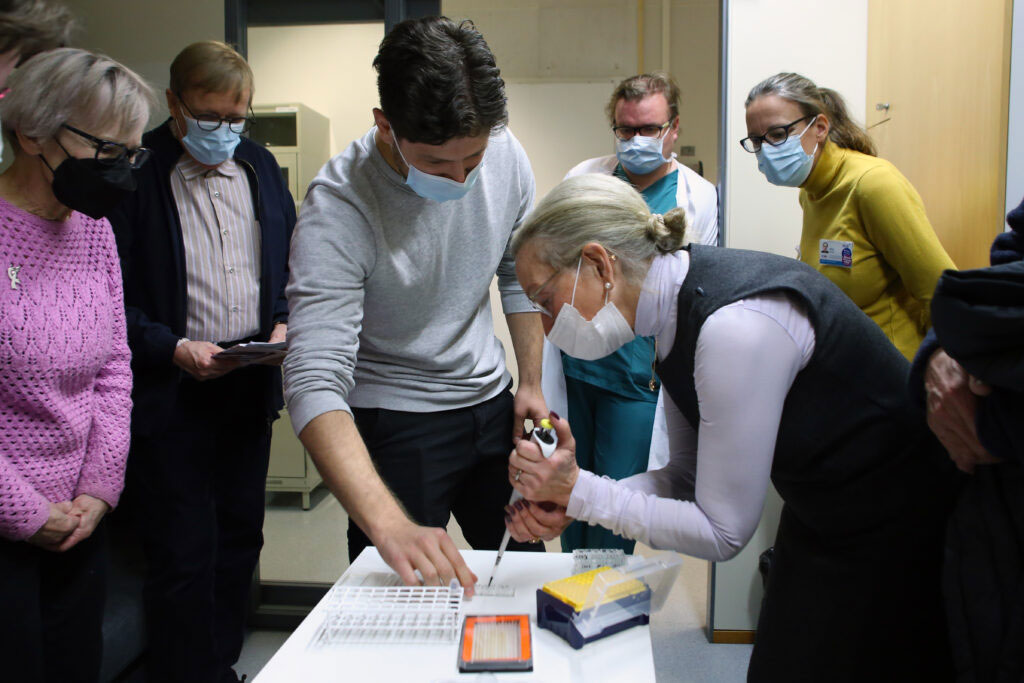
(391, 614)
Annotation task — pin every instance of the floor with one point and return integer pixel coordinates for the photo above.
(317, 536)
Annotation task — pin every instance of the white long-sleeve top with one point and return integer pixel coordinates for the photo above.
(707, 500)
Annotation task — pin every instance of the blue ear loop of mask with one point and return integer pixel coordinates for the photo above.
(435, 187)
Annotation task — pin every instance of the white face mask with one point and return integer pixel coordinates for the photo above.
(590, 339)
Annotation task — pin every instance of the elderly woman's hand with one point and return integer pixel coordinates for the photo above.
(533, 522)
(60, 524)
(951, 404)
(545, 479)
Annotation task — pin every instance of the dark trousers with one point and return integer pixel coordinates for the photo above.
(444, 463)
(198, 495)
(51, 611)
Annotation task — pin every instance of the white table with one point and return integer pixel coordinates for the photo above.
(625, 656)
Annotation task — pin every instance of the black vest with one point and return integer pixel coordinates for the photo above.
(851, 450)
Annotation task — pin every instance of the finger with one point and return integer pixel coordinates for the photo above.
(536, 529)
(412, 561)
(76, 537)
(404, 569)
(978, 388)
(462, 571)
(431, 569)
(529, 451)
(64, 506)
(562, 430)
(518, 415)
(515, 527)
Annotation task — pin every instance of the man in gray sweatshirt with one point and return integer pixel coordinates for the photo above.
(394, 379)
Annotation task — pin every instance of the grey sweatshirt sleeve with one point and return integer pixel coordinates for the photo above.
(513, 299)
(332, 254)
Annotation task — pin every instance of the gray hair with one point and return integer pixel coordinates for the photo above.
(68, 85)
(32, 26)
(601, 208)
(813, 100)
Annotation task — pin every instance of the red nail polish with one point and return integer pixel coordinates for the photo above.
(555, 416)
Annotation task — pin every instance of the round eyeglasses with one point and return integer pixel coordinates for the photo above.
(211, 122)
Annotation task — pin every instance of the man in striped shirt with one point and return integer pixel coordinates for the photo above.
(204, 246)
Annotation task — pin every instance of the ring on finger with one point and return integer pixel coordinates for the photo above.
(518, 474)
(534, 540)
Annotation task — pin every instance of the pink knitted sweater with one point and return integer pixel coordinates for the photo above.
(65, 376)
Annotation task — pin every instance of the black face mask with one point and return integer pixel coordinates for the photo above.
(90, 186)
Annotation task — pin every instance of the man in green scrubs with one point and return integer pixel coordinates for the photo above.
(612, 400)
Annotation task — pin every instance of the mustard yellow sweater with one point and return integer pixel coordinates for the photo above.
(897, 258)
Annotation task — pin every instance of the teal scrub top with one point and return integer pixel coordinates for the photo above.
(628, 371)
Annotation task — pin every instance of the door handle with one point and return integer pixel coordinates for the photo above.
(882, 106)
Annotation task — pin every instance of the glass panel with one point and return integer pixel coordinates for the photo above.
(313, 84)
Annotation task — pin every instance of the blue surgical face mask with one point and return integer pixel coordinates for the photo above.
(640, 155)
(434, 186)
(210, 147)
(787, 164)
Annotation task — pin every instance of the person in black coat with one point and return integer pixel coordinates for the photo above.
(204, 250)
(969, 376)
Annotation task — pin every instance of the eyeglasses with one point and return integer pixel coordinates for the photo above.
(211, 122)
(533, 297)
(111, 153)
(648, 131)
(773, 136)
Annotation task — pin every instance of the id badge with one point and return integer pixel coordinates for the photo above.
(835, 253)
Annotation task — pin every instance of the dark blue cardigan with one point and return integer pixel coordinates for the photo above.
(148, 232)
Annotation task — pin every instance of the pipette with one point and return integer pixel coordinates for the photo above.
(544, 436)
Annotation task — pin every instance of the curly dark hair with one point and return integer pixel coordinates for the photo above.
(33, 26)
(437, 80)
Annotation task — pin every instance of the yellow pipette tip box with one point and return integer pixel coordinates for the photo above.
(593, 604)
(574, 590)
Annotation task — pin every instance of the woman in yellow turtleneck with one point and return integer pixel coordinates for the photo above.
(865, 226)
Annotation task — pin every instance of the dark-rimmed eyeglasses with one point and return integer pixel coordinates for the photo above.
(773, 136)
(211, 122)
(648, 131)
(110, 152)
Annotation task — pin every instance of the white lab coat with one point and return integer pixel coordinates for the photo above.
(699, 198)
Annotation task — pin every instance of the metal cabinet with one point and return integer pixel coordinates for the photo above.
(291, 468)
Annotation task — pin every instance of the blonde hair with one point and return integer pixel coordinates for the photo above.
(212, 66)
(68, 85)
(601, 208)
(813, 100)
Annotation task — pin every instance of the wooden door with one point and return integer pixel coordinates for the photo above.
(943, 69)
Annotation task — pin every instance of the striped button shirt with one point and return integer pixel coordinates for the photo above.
(222, 250)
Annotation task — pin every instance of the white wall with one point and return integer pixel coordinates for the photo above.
(326, 67)
(561, 60)
(828, 43)
(1015, 132)
(146, 35)
(825, 41)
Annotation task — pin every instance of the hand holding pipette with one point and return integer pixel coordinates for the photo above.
(544, 437)
(546, 476)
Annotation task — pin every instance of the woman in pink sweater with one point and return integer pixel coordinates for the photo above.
(74, 120)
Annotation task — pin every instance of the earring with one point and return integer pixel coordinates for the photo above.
(607, 285)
